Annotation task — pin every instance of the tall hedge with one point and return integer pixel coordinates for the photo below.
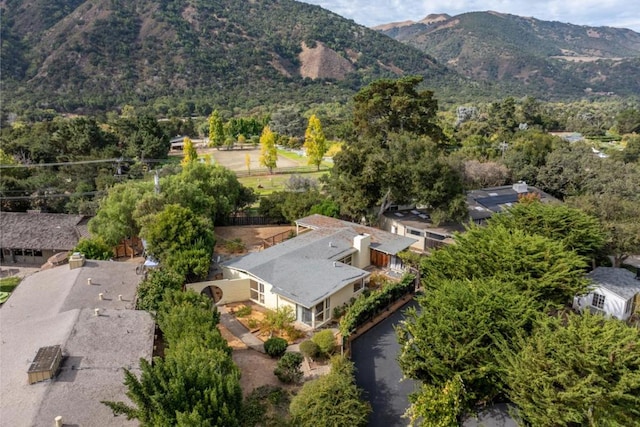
(366, 307)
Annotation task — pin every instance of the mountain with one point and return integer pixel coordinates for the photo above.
(79, 55)
(540, 58)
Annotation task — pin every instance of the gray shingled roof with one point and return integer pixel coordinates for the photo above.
(302, 269)
(484, 202)
(381, 241)
(620, 281)
(56, 307)
(22, 230)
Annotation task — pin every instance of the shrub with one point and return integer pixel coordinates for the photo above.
(235, 246)
(275, 346)
(252, 323)
(244, 311)
(310, 349)
(94, 248)
(325, 341)
(280, 320)
(288, 368)
(366, 306)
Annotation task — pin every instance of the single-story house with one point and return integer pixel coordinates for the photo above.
(481, 205)
(613, 293)
(33, 237)
(177, 142)
(89, 314)
(318, 270)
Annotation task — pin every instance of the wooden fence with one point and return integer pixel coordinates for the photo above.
(277, 238)
(252, 220)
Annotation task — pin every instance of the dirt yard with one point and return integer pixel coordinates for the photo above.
(257, 368)
(251, 235)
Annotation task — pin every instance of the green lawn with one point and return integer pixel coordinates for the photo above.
(8, 284)
(276, 182)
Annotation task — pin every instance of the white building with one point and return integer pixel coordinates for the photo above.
(613, 293)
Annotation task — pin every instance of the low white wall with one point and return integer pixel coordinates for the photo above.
(233, 290)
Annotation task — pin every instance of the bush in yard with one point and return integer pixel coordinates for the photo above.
(279, 320)
(326, 342)
(310, 349)
(244, 311)
(288, 368)
(94, 248)
(275, 346)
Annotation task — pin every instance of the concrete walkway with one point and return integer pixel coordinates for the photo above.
(237, 329)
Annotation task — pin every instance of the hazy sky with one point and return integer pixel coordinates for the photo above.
(613, 13)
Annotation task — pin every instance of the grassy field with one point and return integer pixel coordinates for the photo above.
(267, 184)
(8, 284)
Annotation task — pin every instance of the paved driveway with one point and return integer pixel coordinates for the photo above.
(378, 373)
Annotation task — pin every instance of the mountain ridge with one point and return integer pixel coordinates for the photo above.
(106, 52)
(526, 52)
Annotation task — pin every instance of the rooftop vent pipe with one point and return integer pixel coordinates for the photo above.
(96, 312)
(58, 421)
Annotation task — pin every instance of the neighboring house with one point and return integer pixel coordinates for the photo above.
(177, 143)
(481, 204)
(33, 237)
(312, 273)
(613, 293)
(57, 307)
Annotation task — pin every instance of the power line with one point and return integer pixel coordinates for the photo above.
(50, 196)
(78, 162)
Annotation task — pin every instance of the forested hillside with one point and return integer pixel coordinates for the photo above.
(540, 58)
(79, 55)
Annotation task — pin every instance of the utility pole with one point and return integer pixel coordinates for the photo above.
(156, 182)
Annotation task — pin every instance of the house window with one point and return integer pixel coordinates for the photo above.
(435, 236)
(18, 252)
(257, 291)
(414, 232)
(322, 311)
(598, 301)
(628, 305)
(347, 260)
(305, 315)
(357, 286)
(37, 252)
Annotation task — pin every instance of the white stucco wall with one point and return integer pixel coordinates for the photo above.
(362, 258)
(233, 290)
(613, 306)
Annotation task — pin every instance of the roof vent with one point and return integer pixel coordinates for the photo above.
(330, 244)
(520, 187)
(335, 264)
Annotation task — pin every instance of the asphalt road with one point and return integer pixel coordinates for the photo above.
(378, 373)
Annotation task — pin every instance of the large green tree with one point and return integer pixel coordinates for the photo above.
(537, 266)
(406, 169)
(115, 219)
(395, 106)
(576, 229)
(331, 400)
(176, 228)
(315, 143)
(575, 370)
(196, 383)
(396, 156)
(619, 219)
(454, 333)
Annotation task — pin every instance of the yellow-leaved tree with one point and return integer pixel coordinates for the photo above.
(268, 151)
(315, 143)
(189, 151)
